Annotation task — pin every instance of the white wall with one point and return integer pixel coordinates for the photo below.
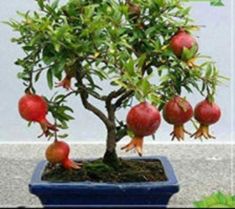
(214, 40)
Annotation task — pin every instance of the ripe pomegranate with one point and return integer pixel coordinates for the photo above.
(34, 108)
(177, 111)
(143, 119)
(58, 152)
(181, 40)
(206, 113)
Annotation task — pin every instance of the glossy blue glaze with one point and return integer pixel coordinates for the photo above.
(91, 194)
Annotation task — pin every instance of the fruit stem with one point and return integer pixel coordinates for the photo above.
(181, 29)
(136, 143)
(46, 127)
(55, 132)
(203, 131)
(178, 132)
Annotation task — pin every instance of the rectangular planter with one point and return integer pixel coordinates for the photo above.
(92, 194)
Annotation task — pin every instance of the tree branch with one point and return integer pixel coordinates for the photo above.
(95, 110)
(109, 106)
(84, 97)
(42, 68)
(66, 96)
(115, 94)
(97, 96)
(125, 96)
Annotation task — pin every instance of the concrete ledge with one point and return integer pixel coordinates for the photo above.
(201, 169)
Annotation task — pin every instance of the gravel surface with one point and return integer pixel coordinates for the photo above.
(200, 169)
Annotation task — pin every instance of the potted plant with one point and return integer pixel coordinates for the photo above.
(146, 51)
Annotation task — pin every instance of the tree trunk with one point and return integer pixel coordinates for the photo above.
(110, 156)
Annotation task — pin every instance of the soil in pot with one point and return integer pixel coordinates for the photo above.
(97, 171)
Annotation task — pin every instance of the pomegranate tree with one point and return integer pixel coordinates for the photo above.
(146, 59)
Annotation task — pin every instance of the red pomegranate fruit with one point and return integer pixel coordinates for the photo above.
(182, 39)
(34, 108)
(206, 113)
(143, 120)
(58, 152)
(177, 111)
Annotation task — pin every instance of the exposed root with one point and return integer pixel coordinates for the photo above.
(47, 127)
(65, 83)
(178, 133)
(137, 144)
(203, 131)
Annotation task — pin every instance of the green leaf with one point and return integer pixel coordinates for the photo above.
(150, 30)
(209, 71)
(22, 75)
(58, 68)
(189, 53)
(63, 136)
(217, 3)
(144, 86)
(37, 76)
(160, 3)
(55, 4)
(66, 108)
(41, 4)
(50, 78)
(154, 99)
(130, 66)
(141, 60)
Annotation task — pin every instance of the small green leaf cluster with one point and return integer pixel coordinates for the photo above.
(216, 200)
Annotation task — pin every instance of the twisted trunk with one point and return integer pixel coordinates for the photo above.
(110, 156)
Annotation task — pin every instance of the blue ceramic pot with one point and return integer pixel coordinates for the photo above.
(92, 194)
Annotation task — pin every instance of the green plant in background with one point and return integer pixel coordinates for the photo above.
(217, 3)
(212, 2)
(216, 200)
(84, 43)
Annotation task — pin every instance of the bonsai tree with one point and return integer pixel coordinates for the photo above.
(145, 50)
